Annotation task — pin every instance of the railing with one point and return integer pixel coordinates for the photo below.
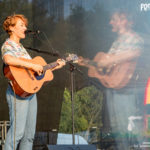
(3, 132)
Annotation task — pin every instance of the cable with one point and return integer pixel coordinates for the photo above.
(14, 115)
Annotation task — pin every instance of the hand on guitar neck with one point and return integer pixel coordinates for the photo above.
(60, 63)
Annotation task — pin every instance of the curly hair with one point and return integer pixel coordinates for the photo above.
(12, 20)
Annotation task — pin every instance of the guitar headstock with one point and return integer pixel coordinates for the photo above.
(72, 57)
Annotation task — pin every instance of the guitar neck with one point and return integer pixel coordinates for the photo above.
(71, 57)
(50, 66)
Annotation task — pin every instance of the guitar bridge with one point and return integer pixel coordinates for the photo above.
(35, 88)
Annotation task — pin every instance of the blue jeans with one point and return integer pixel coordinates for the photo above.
(122, 104)
(22, 113)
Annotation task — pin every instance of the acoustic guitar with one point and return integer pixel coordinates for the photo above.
(26, 82)
(113, 76)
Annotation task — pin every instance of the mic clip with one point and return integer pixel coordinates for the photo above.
(32, 32)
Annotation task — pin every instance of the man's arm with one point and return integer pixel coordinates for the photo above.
(118, 58)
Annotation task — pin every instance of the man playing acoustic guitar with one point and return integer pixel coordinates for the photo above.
(22, 111)
(115, 69)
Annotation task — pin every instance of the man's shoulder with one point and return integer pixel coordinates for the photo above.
(137, 36)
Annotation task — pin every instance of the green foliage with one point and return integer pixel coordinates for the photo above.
(66, 122)
(87, 110)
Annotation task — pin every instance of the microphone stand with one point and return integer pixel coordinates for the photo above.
(72, 68)
(44, 52)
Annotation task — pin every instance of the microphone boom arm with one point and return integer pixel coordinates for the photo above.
(44, 52)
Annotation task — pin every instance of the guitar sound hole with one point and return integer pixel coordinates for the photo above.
(39, 77)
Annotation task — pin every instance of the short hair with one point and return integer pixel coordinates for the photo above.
(123, 16)
(12, 20)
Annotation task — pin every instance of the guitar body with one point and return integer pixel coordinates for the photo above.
(26, 82)
(117, 76)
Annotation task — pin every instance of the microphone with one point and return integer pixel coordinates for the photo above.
(32, 32)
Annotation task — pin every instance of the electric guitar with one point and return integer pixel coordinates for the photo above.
(113, 76)
(26, 82)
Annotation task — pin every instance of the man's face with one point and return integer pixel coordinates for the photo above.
(118, 22)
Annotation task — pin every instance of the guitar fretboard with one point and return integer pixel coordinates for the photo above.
(50, 66)
(54, 64)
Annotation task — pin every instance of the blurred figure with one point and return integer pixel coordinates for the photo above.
(116, 71)
(115, 68)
